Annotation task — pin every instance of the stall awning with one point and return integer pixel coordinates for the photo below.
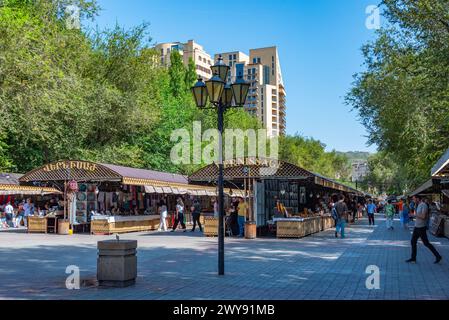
(7, 189)
(152, 181)
(329, 183)
(431, 186)
(256, 168)
(441, 168)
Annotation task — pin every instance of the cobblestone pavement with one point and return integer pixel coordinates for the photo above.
(184, 266)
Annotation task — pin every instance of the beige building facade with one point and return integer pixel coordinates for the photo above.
(189, 50)
(267, 97)
(261, 68)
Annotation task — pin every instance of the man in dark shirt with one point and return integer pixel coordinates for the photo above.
(196, 213)
(342, 210)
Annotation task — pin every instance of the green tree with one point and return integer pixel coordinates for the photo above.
(403, 95)
(190, 76)
(385, 176)
(177, 73)
(100, 96)
(311, 155)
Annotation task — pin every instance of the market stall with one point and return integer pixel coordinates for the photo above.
(43, 219)
(440, 182)
(304, 196)
(108, 198)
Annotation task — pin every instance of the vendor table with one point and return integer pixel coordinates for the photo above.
(211, 226)
(123, 224)
(327, 222)
(47, 224)
(37, 224)
(297, 227)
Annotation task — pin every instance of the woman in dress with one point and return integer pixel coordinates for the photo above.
(163, 216)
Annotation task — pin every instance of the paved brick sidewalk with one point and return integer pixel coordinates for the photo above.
(183, 266)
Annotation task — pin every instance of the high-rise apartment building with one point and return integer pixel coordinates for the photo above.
(267, 97)
(261, 68)
(191, 49)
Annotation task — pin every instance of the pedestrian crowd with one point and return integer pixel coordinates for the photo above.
(417, 208)
(13, 215)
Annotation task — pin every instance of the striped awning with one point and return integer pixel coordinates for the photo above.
(8, 190)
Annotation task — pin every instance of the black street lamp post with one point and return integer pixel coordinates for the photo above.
(221, 95)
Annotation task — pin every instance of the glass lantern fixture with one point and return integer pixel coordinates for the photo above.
(199, 91)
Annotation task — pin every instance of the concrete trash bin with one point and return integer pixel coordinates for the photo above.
(117, 263)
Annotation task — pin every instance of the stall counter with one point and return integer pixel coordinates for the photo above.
(301, 227)
(122, 224)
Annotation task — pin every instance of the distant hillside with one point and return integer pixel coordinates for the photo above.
(355, 155)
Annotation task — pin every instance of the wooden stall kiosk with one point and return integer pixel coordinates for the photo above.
(41, 222)
(436, 190)
(271, 181)
(116, 199)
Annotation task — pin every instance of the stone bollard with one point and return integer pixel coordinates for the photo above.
(117, 263)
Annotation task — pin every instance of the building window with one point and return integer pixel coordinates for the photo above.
(235, 57)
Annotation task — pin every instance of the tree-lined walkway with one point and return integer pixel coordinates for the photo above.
(183, 266)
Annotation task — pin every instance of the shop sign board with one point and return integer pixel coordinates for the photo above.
(81, 165)
(251, 161)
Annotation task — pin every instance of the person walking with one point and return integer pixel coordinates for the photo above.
(216, 213)
(420, 231)
(196, 213)
(405, 214)
(163, 216)
(28, 209)
(20, 214)
(341, 212)
(179, 216)
(9, 214)
(234, 214)
(3, 223)
(389, 213)
(242, 208)
(371, 210)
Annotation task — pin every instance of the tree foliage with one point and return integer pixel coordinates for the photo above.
(403, 96)
(98, 95)
(103, 96)
(310, 154)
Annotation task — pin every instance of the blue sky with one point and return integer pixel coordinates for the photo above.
(319, 44)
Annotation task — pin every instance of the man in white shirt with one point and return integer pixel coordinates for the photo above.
(420, 230)
(9, 212)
